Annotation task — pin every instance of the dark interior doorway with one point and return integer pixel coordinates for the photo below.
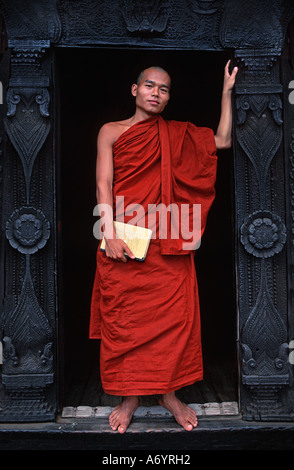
(93, 88)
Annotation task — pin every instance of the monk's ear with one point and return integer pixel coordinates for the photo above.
(134, 89)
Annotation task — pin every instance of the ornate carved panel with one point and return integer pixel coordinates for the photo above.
(262, 236)
(28, 322)
(159, 23)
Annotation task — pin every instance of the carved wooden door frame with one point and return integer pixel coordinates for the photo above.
(263, 155)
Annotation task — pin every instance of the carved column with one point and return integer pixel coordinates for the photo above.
(261, 238)
(28, 321)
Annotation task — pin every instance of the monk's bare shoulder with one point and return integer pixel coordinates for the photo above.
(111, 131)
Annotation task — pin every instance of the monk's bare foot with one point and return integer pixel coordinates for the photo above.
(182, 413)
(121, 416)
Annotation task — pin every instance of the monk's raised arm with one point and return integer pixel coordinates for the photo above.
(223, 136)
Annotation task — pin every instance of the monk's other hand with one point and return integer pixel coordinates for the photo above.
(229, 78)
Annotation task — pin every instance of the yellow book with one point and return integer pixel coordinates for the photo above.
(137, 239)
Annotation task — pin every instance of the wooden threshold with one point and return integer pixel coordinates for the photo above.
(202, 409)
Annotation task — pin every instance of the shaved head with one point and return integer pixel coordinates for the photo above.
(153, 67)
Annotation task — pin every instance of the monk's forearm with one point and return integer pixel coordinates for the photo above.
(105, 203)
(223, 136)
(104, 193)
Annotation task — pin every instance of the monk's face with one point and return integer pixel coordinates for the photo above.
(152, 93)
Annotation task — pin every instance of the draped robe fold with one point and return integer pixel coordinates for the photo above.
(147, 314)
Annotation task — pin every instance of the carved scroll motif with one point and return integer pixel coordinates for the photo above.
(146, 17)
(27, 125)
(261, 137)
(24, 345)
(265, 328)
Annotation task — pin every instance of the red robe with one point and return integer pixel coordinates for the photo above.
(147, 314)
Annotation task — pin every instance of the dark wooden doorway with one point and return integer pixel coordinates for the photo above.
(93, 88)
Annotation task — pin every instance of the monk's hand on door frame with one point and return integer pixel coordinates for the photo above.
(117, 249)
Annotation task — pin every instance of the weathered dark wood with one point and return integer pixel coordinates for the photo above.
(150, 436)
(255, 32)
(261, 233)
(28, 320)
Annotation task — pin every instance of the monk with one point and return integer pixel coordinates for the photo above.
(147, 313)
